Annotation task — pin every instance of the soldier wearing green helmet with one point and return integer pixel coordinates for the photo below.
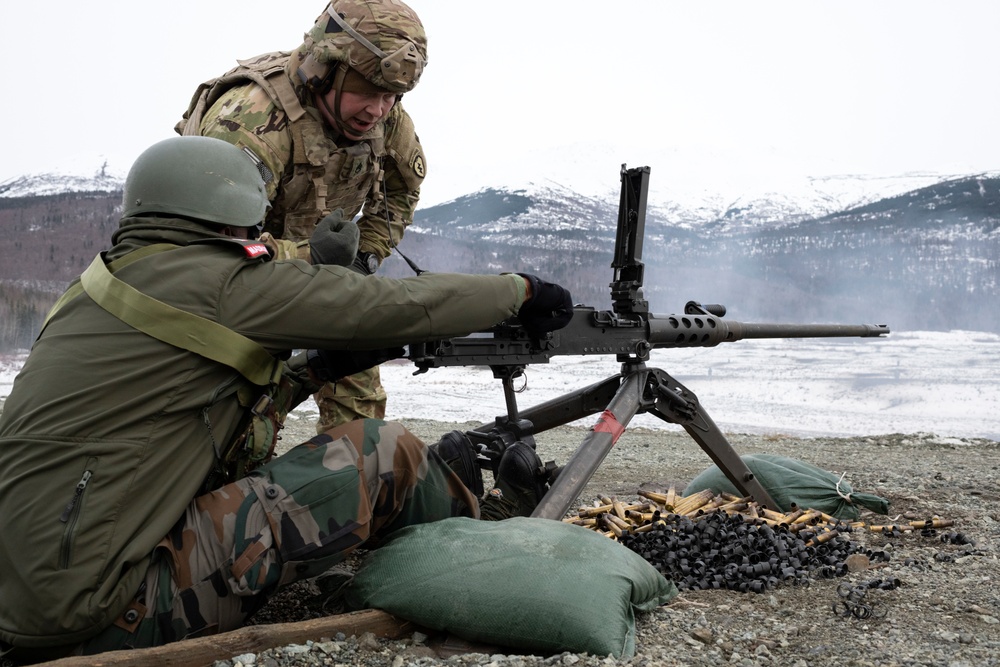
(325, 125)
(136, 508)
(193, 180)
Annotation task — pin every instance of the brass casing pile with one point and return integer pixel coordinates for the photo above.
(613, 518)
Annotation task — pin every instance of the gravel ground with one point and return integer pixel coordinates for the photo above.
(944, 612)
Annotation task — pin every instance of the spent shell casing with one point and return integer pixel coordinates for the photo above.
(693, 502)
(671, 498)
(781, 517)
(658, 498)
(730, 508)
(618, 508)
(612, 519)
(585, 522)
(808, 517)
(822, 537)
(607, 521)
(594, 511)
(933, 523)
(646, 527)
(774, 523)
(792, 515)
(890, 528)
(709, 507)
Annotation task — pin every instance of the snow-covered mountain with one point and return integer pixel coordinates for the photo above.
(920, 251)
(686, 190)
(96, 176)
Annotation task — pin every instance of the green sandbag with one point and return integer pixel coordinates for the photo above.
(793, 482)
(534, 585)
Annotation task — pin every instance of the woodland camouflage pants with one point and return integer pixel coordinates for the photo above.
(292, 519)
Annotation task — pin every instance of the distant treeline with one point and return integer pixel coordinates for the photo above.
(22, 310)
(46, 242)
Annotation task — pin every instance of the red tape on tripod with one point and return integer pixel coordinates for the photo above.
(608, 423)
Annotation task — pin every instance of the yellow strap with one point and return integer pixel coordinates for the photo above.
(178, 327)
(76, 289)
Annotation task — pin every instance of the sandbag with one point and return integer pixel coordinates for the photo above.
(793, 482)
(534, 585)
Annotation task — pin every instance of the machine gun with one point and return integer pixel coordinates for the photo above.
(628, 331)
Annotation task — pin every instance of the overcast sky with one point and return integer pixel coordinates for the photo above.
(830, 86)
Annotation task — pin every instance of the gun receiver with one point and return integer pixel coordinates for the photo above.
(629, 332)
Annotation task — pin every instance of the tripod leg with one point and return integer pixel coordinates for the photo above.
(676, 404)
(591, 452)
(572, 406)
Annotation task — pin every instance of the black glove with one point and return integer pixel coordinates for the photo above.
(331, 365)
(549, 308)
(335, 240)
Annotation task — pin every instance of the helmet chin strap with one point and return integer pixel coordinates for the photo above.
(338, 86)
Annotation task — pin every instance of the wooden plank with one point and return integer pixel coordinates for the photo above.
(203, 651)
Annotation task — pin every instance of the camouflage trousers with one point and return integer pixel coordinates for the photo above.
(289, 520)
(358, 396)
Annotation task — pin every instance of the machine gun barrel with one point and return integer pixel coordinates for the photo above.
(708, 330)
(602, 332)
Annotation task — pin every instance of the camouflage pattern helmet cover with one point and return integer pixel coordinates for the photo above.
(196, 177)
(383, 40)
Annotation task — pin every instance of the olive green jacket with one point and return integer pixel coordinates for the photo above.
(108, 433)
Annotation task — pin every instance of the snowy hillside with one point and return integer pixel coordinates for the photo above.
(96, 176)
(686, 190)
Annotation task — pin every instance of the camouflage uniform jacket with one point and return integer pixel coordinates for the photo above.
(108, 433)
(258, 105)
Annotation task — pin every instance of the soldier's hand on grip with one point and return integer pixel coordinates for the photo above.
(335, 240)
(550, 307)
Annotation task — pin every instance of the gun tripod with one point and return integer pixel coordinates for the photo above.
(635, 390)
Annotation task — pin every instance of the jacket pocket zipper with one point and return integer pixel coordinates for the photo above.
(71, 514)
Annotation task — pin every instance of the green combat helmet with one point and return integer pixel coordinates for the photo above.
(363, 46)
(196, 177)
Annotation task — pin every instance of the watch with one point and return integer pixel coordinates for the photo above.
(367, 262)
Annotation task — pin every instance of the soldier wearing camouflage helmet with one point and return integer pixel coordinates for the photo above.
(326, 128)
(147, 381)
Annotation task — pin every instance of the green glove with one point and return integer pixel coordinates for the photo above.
(334, 241)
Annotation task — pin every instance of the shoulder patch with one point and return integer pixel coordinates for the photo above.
(265, 172)
(417, 163)
(256, 249)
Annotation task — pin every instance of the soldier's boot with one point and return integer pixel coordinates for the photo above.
(519, 485)
(456, 450)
